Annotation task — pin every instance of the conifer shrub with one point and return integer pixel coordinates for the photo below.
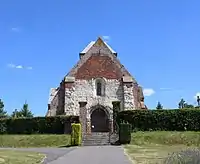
(76, 134)
(125, 133)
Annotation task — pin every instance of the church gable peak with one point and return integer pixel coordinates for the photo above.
(98, 46)
(99, 42)
(94, 56)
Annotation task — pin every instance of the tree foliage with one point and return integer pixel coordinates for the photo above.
(24, 112)
(188, 106)
(181, 104)
(184, 105)
(159, 106)
(16, 114)
(3, 113)
(198, 100)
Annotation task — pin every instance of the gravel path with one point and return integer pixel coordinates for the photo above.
(83, 155)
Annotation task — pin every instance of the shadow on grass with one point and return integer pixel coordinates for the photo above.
(66, 146)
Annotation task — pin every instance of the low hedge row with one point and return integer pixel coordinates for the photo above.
(36, 125)
(169, 120)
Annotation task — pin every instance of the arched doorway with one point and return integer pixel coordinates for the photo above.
(99, 121)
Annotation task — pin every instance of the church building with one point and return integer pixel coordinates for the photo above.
(94, 87)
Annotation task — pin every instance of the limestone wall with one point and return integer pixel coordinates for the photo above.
(53, 103)
(85, 91)
(129, 103)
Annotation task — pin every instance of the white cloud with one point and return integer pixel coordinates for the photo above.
(106, 37)
(197, 94)
(29, 67)
(15, 29)
(15, 66)
(148, 91)
(18, 66)
(165, 88)
(171, 89)
(11, 65)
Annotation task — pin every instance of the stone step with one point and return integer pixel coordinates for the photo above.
(95, 143)
(98, 136)
(96, 139)
(105, 141)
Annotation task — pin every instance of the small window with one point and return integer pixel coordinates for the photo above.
(99, 87)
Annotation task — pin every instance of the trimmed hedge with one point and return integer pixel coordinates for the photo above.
(36, 125)
(125, 133)
(76, 134)
(169, 120)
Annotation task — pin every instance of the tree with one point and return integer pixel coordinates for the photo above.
(16, 114)
(159, 106)
(25, 112)
(198, 100)
(3, 113)
(181, 104)
(186, 105)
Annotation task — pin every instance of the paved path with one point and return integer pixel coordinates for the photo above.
(83, 155)
(52, 154)
(94, 155)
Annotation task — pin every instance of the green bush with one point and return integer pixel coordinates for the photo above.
(168, 120)
(76, 134)
(125, 133)
(36, 125)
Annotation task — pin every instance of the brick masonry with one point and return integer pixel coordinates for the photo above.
(79, 87)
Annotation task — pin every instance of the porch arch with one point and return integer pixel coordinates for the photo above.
(99, 118)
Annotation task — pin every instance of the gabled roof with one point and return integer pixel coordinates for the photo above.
(87, 48)
(88, 52)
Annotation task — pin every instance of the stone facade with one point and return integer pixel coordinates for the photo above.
(95, 82)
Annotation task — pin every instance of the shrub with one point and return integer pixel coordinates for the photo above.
(188, 156)
(36, 125)
(169, 120)
(125, 133)
(76, 134)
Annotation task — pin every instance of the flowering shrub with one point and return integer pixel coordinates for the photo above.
(188, 156)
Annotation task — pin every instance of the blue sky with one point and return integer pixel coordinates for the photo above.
(157, 41)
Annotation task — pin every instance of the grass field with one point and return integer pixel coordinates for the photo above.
(18, 157)
(145, 147)
(153, 147)
(35, 140)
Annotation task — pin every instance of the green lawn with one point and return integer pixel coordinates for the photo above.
(35, 140)
(18, 157)
(153, 147)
